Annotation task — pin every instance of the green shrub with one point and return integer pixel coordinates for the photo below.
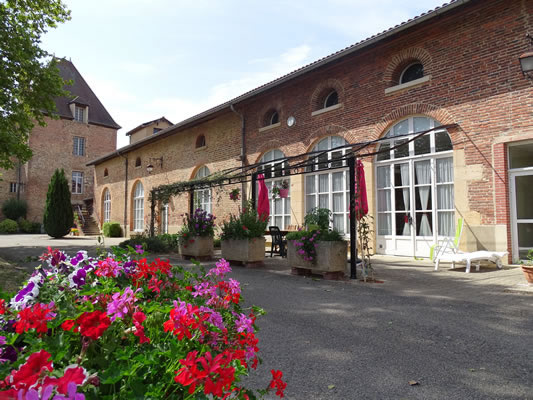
(318, 218)
(216, 243)
(8, 226)
(157, 244)
(14, 209)
(112, 229)
(58, 215)
(26, 226)
(248, 224)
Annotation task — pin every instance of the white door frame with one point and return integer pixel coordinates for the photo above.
(513, 173)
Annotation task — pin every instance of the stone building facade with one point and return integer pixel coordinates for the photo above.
(456, 66)
(84, 131)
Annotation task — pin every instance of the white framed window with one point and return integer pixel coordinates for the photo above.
(107, 206)
(77, 182)
(415, 187)
(329, 189)
(79, 113)
(138, 208)
(202, 197)
(14, 186)
(280, 208)
(79, 146)
(164, 218)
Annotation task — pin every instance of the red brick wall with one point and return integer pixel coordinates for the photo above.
(52, 148)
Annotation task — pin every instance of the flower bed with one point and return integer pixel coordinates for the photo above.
(122, 328)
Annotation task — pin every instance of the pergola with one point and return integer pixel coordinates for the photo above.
(292, 165)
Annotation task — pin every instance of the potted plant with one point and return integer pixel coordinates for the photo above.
(235, 194)
(242, 237)
(527, 267)
(317, 248)
(196, 235)
(281, 191)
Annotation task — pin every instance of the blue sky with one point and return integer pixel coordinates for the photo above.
(150, 58)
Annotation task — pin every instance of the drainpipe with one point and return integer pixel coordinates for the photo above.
(126, 230)
(243, 152)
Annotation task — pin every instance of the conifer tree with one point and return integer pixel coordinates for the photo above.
(58, 215)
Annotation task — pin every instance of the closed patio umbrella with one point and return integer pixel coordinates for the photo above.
(263, 204)
(361, 202)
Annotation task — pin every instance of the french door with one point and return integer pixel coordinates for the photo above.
(415, 205)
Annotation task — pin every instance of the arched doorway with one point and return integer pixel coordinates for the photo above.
(414, 188)
(280, 208)
(326, 186)
(202, 197)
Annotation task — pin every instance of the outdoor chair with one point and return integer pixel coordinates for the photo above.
(447, 250)
(279, 245)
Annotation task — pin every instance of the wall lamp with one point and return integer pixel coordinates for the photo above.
(150, 167)
(526, 60)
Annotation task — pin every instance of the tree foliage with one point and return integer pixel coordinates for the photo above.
(29, 78)
(58, 215)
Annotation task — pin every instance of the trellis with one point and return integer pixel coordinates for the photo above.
(290, 165)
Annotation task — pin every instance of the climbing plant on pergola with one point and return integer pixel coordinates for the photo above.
(290, 165)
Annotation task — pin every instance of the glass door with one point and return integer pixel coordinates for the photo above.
(522, 209)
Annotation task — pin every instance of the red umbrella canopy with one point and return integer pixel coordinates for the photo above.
(263, 204)
(361, 202)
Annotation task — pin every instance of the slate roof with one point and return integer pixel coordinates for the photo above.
(81, 94)
(138, 128)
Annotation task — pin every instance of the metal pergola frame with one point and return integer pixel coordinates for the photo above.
(302, 164)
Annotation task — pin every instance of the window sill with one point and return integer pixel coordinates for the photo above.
(200, 148)
(325, 110)
(268, 127)
(408, 85)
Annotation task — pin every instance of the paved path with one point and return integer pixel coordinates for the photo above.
(461, 336)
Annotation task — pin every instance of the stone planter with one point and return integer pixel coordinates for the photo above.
(331, 257)
(202, 247)
(528, 273)
(243, 250)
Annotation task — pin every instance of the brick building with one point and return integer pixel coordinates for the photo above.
(456, 66)
(84, 131)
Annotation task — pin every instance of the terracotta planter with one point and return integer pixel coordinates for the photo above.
(528, 273)
(283, 193)
(243, 250)
(201, 246)
(331, 257)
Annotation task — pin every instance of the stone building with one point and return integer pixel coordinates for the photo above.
(456, 67)
(84, 131)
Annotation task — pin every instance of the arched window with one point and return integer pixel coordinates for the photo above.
(415, 200)
(138, 208)
(331, 99)
(328, 188)
(202, 197)
(412, 72)
(200, 141)
(280, 208)
(271, 117)
(138, 162)
(106, 172)
(107, 205)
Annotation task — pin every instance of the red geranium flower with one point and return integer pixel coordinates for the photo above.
(35, 317)
(277, 383)
(90, 324)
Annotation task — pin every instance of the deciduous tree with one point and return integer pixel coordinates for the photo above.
(29, 78)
